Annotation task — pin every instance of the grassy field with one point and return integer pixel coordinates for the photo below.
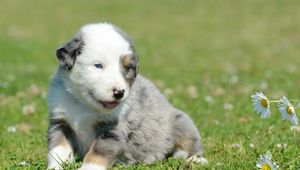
(208, 57)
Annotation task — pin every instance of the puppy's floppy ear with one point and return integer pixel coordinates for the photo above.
(134, 60)
(67, 54)
(131, 64)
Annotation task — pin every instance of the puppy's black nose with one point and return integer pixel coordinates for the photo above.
(118, 94)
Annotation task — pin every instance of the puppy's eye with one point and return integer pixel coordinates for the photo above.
(99, 66)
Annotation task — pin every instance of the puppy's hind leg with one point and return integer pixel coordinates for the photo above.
(187, 137)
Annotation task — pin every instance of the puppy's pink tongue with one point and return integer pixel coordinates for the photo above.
(110, 105)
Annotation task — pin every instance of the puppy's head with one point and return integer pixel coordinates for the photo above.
(99, 66)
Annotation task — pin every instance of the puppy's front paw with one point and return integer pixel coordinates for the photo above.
(87, 166)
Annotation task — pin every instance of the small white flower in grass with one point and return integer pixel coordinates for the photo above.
(235, 145)
(217, 122)
(281, 145)
(24, 163)
(11, 129)
(209, 99)
(227, 106)
(203, 161)
(265, 162)
(263, 85)
(192, 92)
(219, 164)
(198, 159)
(28, 109)
(287, 111)
(261, 105)
(234, 79)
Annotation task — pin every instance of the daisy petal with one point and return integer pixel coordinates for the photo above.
(265, 163)
(287, 111)
(261, 105)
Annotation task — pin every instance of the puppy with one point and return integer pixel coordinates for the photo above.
(103, 111)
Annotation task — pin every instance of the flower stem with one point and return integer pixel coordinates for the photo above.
(294, 160)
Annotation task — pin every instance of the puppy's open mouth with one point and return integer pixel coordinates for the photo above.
(108, 105)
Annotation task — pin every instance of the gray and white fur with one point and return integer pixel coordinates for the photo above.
(87, 118)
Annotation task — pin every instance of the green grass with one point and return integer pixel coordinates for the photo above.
(203, 44)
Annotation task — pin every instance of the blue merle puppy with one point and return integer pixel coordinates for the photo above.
(102, 110)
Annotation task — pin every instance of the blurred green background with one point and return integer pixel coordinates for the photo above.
(207, 57)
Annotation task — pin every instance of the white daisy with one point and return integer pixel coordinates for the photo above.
(287, 111)
(265, 163)
(261, 105)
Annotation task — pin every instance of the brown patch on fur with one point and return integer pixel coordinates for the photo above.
(95, 158)
(184, 144)
(63, 142)
(126, 61)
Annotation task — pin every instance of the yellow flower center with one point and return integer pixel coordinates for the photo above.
(266, 167)
(289, 110)
(264, 103)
